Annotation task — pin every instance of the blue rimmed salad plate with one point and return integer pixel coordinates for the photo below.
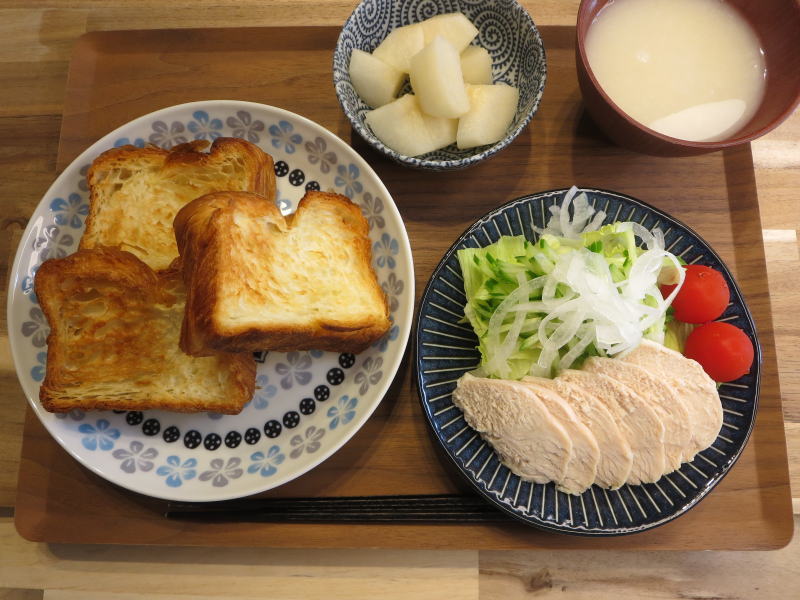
(445, 348)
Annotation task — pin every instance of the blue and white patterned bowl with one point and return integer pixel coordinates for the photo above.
(505, 29)
(306, 405)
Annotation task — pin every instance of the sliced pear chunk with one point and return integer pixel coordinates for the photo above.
(403, 127)
(454, 27)
(441, 131)
(476, 65)
(400, 126)
(375, 81)
(437, 80)
(492, 109)
(400, 45)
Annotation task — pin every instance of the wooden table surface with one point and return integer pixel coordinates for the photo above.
(37, 36)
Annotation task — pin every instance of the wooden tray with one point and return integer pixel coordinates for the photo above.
(116, 76)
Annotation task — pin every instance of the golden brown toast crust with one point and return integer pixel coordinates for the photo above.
(135, 192)
(209, 239)
(113, 343)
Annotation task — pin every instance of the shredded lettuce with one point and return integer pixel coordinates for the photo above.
(676, 333)
(581, 290)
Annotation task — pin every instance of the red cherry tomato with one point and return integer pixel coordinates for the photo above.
(703, 296)
(724, 351)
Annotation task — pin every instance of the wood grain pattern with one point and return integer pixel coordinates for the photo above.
(268, 573)
(631, 576)
(562, 147)
(30, 115)
(18, 594)
(83, 595)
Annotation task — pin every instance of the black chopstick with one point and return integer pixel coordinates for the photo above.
(350, 509)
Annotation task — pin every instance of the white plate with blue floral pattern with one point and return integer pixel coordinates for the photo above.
(306, 405)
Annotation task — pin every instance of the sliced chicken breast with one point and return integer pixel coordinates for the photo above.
(513, 419)
(691, 382)
(615, 456)
(668, 405)
(582, 466)
(636, 419)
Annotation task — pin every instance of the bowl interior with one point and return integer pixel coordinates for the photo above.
(506, 30)
(777, 24)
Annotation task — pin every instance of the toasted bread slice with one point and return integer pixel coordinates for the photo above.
(136, 192)
(113, 343)
(259, 281)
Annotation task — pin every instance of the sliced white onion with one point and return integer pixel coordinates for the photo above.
(584, 218)
(595, 309)
(644, 234)
(563, 213)
(498, 356)
(584, 339)
(506, 349)
(659, 236)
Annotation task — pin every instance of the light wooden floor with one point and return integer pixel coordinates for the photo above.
(35, 41)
